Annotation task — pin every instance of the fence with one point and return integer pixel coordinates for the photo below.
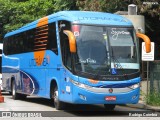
(154, 76)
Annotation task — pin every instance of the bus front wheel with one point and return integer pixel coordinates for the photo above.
(109, 107)
(59, 105)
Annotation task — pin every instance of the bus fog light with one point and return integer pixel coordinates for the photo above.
(134, 97)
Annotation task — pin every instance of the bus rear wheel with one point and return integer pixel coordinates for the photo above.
(59, 105)
(109, 107)
(16, 95)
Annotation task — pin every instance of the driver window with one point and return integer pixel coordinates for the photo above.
(64, 42)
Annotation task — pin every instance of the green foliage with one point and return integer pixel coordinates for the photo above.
(102, 5)
(153, 99)
(144, 6)
(16, 13)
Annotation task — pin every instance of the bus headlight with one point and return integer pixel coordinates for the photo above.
(81, 85)
(134, 86)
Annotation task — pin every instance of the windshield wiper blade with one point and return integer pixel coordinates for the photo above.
(84, 73)
(96, 75)
(101, 65)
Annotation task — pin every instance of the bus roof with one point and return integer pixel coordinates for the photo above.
(80, 17)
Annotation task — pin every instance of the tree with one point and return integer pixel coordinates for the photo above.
(16, 13)
(150, 9)
(102, 5)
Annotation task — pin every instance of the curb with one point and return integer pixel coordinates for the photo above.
(142, 105)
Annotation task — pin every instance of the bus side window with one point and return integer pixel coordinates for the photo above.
(30, 40)
(10, 45)
(52, 39)
(23, 42)
(5, 46)
(17, 45)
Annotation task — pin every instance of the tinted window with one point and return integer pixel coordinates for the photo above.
(37, 39)
(52, 39)
(66, 55)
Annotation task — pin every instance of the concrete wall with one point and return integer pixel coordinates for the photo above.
(138, 22)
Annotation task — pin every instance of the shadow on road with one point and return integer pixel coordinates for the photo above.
(74, 109)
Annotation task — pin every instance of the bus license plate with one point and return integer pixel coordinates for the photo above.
(110, 98)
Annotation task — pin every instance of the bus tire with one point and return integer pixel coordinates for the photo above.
(109, 107)
(10, 92)
(22, 96)
(15, 95)
(59, 105)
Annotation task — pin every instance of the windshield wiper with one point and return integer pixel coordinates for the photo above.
(84, 74)
(101, 64)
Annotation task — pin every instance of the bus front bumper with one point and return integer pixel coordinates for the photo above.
(85, 96)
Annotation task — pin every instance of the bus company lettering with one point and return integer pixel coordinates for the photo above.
(102, 18)
(115, 33)
(88, 60)
(37, 61)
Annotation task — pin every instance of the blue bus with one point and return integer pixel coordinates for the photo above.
(74, 57)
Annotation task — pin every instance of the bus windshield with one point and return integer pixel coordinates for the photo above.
(100, 50)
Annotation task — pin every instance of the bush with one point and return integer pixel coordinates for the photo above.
(153, 98)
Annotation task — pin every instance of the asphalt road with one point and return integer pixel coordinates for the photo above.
(44, 107)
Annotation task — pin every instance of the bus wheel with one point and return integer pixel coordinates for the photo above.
(57, 103)
(10, 92)
(109, 107)
(15, 95)
(22, 96)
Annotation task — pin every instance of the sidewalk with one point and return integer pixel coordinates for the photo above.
(142, 104)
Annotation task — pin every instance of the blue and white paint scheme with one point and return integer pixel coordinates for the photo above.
(104, 69)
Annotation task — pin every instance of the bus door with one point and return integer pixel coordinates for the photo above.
(65, 85)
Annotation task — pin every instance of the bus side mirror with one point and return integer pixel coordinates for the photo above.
(72, 41)
(146, 40)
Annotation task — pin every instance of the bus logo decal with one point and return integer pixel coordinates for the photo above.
(110, 90)
(28, 83)
(40, 43)
(45, 61)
